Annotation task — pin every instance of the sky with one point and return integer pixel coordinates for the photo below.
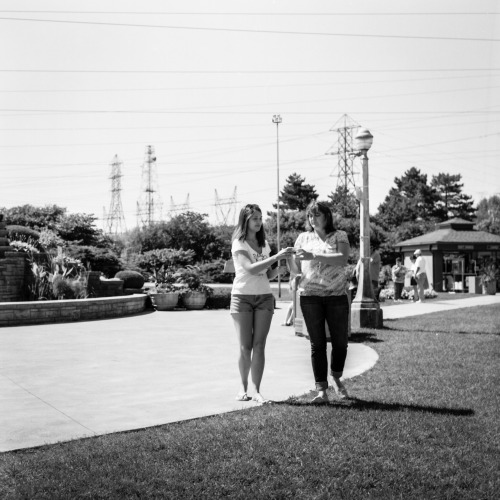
(200, 82)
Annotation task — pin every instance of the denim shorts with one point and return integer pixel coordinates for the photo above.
(251, 303)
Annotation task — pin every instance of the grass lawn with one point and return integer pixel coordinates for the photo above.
(422, 424)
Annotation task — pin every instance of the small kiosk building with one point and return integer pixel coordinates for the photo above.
(454, 253)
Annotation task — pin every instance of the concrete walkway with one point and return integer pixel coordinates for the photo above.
(406, 309)
(66, 381)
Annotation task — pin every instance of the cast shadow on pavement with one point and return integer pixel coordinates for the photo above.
(360, 337)
(364, 405)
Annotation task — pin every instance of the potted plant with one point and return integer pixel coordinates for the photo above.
(195, 293)
(165, 294)
(488, 279)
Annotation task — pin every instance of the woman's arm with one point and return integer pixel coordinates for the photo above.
(294, 266)
(272, 273)
(332, 259)
(262, 265)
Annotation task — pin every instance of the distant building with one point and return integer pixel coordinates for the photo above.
(453, 253)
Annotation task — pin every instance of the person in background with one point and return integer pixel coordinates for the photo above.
(413, 281)
(398, 272)
(289, 312)
(321, 258)
(375, 265)
(420, 275)
(252, 302)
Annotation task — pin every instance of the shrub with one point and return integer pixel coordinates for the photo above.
(22, 233)
(213, 272)
(191, 278)
(131, 279)
(99, 259)
(221, 299)
(407, 294)
(61, 288)
(165, 258)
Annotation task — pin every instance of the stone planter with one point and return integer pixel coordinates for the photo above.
(165, 301)
(194, 300)
(490, 288)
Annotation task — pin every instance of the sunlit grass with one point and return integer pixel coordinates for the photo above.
(423, 423)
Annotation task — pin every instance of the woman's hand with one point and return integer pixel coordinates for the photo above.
(286, 252)
(282, 270)
(302, 254)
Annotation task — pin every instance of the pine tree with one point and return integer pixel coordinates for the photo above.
(452, 202)
(411, 200)
(344, 202)
(296, 195)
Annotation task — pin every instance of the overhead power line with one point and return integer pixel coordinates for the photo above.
(280, 14)
(230, 112)
(266, 86)
(247, 72)
(235, 30)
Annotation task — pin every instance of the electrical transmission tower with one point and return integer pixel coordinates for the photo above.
(179, 207)
(225, 208)
(149, 204)
(114, 220)
(345, 128)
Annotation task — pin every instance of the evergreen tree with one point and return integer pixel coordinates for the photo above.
(411, 200)
(296, 195)
(452, 202)
(344, 202)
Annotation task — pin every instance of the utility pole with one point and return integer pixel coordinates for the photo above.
(277, 119)
(114, 221)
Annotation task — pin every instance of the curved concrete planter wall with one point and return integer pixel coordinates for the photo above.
(61, 311)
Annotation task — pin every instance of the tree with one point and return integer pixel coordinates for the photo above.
(344, 202)
(292, 223)
(452, 202)
(411, 200)
(79, 229)
(34, 217)
(488, 215)
(186, 231)
(296, 195)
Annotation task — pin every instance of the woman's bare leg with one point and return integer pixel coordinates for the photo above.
(243, 323)
(261, 325)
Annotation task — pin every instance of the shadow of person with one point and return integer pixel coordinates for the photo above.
(360, 337)
(357, 404)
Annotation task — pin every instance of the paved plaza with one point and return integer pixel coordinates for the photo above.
(67, 381)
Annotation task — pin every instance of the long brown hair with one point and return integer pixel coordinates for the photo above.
(322, 207)
(240, 231)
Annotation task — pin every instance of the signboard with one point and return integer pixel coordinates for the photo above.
(493, 247)
(465, 247)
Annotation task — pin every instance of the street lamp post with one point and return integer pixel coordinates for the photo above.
(365, 309)
(277, 119)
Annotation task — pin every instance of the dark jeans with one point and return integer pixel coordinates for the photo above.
(398, 288)
(335, 311)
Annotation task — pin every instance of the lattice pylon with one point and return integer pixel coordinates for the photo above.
(176, 208)
(149, 205)
(345, 129)
(225, 209)
(114, 221)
